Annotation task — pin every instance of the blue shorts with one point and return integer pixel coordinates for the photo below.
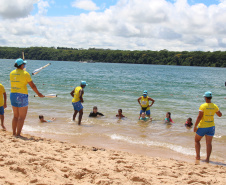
(77, 106)
(19, 100)
(148, 112)
(210, 131)
(1, 110)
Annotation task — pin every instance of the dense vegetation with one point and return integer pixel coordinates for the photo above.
(163, 57)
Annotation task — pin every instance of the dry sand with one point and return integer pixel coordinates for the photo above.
(33, 160)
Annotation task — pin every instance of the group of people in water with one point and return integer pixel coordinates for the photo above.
(19, 78)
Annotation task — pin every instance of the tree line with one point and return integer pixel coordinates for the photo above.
(162, 57)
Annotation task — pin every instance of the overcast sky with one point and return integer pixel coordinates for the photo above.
(175, 25)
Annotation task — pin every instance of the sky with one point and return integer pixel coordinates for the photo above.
(174, 25)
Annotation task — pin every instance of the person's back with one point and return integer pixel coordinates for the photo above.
(209, 109)
(19, 79)
(76, 97)
(205, 126)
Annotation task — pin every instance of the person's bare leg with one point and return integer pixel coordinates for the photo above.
(74, 115)
(208, 147)
(21, 118)
(2, 122)
(197, 146)
(15, 119)
(80, 116)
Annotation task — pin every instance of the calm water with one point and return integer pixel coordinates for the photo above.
(112, 86)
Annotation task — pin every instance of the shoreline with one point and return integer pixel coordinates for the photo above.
(36, 160)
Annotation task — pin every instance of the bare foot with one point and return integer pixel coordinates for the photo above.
(197, 158)
(3, 128)
(207, 161)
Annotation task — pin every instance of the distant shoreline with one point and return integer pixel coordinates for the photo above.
(162, 57)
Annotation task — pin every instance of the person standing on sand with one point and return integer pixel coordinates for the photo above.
(77, 101)
(206, 125)
(19, 79)
(145, 107)
(3, 104)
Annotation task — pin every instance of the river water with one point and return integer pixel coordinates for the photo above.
(177, 89)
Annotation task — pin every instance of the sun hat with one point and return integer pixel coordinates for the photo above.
(20, 61)
(145, 92)
(208, 94)
(83, 83)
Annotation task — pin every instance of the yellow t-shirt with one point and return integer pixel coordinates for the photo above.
(208, 109)
(145, 102)
(76, 94)
(2, 90)
(19, 79)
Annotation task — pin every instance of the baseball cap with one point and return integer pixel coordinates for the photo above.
(83, 83)
(145, 92)
(20, 61)
(208, 94)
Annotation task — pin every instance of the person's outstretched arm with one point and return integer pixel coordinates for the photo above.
(219, 113)
(33, 86)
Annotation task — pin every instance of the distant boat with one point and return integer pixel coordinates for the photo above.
(87, 61)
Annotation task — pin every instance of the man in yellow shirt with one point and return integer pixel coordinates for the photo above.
(206, 125)
(77, 101)
(3, 104)
(144, 104)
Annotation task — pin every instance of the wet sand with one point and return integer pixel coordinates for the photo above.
(35, 160)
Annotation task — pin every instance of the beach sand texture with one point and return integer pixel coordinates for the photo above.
(33, 160)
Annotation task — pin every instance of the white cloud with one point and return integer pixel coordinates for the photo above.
(130, 24)
(16, 8)
(42, 7)
(85, 5)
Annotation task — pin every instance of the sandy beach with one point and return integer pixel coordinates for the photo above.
(33, 160)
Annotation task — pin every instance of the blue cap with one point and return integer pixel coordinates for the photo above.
(208, 94)
(145, 92)
(20, 61)
(83, 83)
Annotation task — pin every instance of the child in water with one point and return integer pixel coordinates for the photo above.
(42, 120)
(95, 112)
(168, 118)
(120, 115)
(188, 123)
(143, 117)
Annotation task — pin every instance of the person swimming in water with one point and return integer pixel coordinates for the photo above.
(120, 115)
(189, 123)
(143, 117)
(42, 120)
(168, 118)
(95, 112)
(144, 104)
